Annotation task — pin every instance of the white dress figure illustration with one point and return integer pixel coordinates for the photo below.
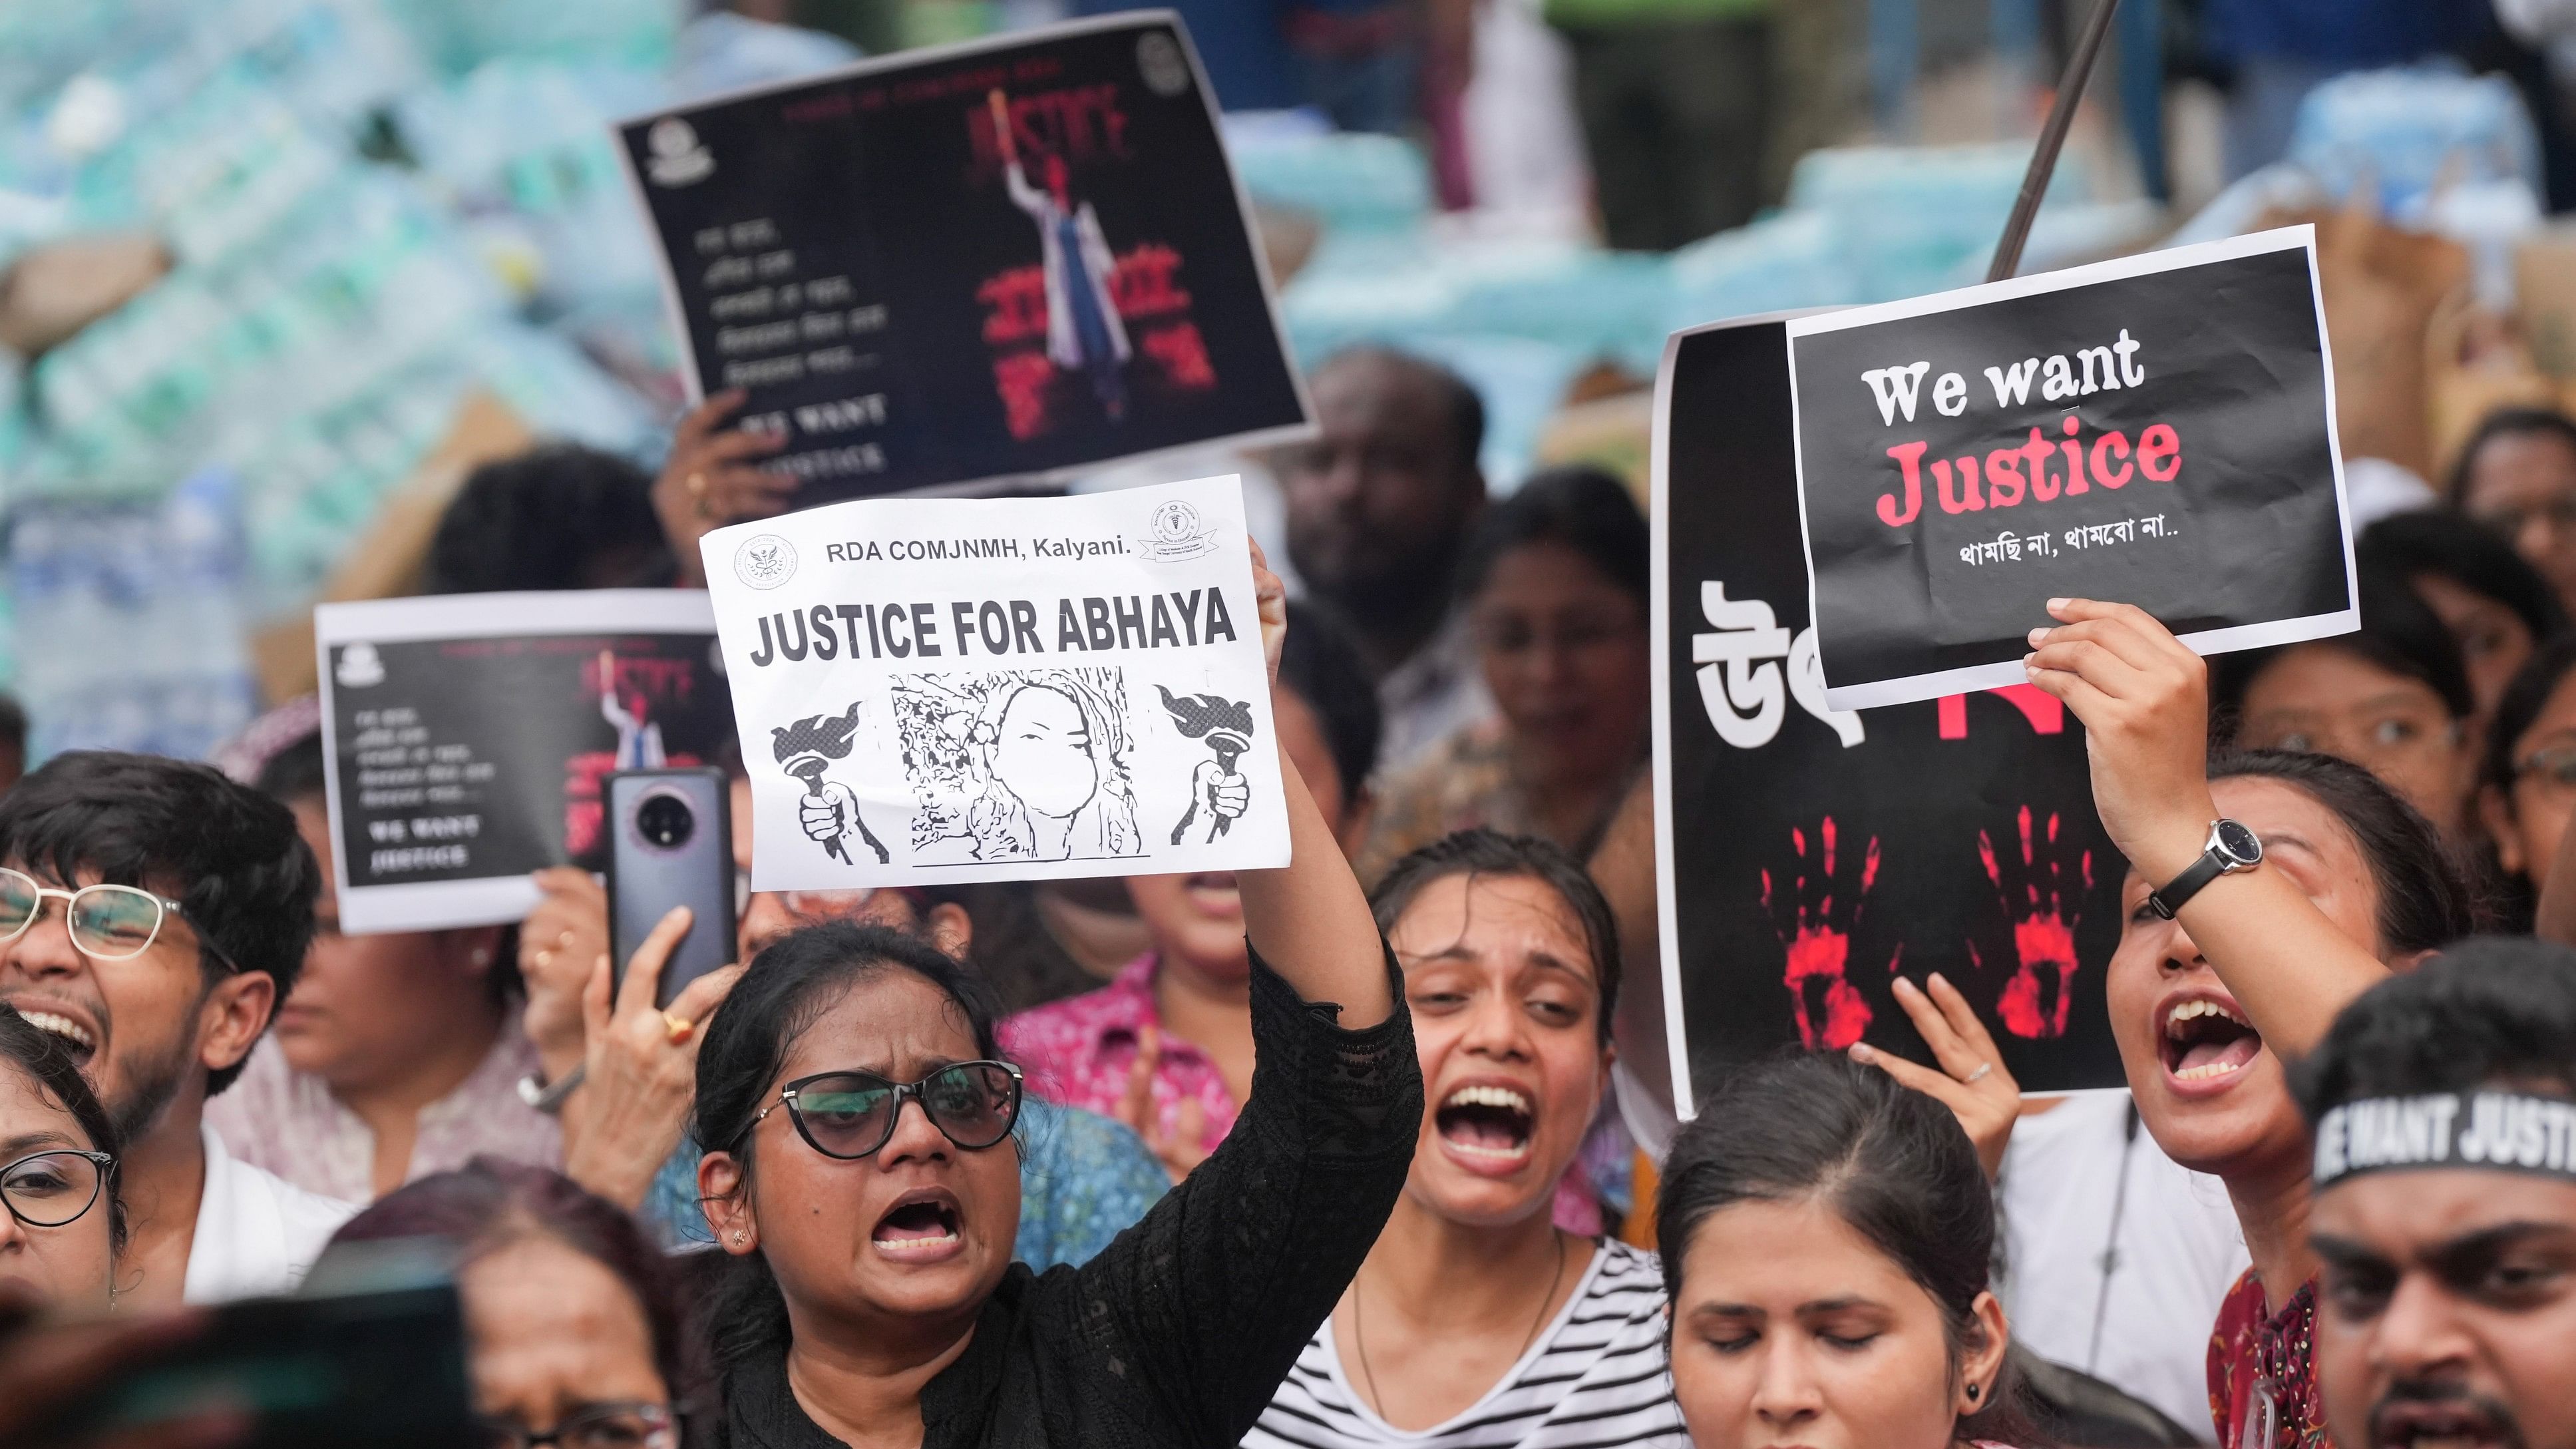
(639, 741)
(1084, 332)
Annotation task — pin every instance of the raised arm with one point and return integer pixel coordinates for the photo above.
(2144, 701)
(1309, 919)
(1210, 1298)
(1026, 197)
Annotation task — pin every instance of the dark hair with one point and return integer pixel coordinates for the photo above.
(2495, 1011)
(489, 1204)
(2425, 899)
(1321, 666)
(2399, 633)
(1580, 506)
(785, 990)
(2431, 541)
(1893, 1163)
(2506, 423)
(554, 517)
(1480, 851)
(297, 772)
(44, 1057)
(231, 856)
(13, 724)
(1459, 399)
(2519, 709)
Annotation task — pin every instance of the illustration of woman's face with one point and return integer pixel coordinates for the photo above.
(1042, 752)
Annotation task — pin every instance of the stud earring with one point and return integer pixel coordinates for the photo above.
(1972, 1393)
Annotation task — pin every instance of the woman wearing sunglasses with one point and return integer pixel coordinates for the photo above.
(572, 1321)
(861, 1173)
(64, 1225)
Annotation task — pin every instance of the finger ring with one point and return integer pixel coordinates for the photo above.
(1979, 1074)
(697, 485)
(677, 1027)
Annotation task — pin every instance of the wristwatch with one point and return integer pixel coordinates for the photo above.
(549, 1098)
(2231, 848)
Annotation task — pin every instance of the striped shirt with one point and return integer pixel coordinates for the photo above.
(1597, 1377)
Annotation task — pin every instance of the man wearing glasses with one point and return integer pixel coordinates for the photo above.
(152, 915)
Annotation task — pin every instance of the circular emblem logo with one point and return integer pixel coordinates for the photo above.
(1158, 57)
(677, 158)
(1175, 522)
(764, 561)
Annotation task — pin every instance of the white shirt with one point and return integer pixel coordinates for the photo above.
(2176, 1251)
(256, 1232)
(1597, 1376)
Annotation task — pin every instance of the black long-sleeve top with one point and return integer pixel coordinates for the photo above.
(1179, 1331)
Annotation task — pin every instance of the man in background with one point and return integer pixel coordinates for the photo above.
(1379, 506)
(161, 982)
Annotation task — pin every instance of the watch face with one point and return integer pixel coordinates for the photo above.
(2238, 843)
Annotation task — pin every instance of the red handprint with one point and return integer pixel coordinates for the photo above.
(1832, 1013)
(2036, 1001)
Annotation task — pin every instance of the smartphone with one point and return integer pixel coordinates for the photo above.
(381, 1364)
(670, 844)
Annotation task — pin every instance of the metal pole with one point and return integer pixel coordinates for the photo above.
(2052, 139)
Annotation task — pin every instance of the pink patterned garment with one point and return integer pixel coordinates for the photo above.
(288, 1123)
(1078, 1052)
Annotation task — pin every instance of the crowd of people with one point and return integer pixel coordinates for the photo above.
(1347, 1153)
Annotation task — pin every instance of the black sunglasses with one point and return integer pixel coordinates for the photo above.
(849, 1115)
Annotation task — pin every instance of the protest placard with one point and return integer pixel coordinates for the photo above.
(963, 689)
(1013, 258)
(2157, 430)
(467, 734)
(1806, 856)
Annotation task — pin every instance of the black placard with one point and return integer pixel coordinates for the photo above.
(2156, 431)
(1806, 856)
(469, 734)
(913, 302)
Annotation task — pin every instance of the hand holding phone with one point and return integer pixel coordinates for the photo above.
(671, 844)
(639, 1067)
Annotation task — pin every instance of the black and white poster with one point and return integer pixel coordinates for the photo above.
(1808, 856)
(2157, 430)
(468, 733)
(1008, 259)
(1001, 689)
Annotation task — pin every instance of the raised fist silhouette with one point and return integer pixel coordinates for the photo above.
(2041, 992)
(1832, 1013)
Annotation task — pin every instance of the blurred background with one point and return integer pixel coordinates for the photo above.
(275, 273)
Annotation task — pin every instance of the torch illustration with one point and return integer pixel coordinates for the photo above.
(829, 812)
(1226, 725)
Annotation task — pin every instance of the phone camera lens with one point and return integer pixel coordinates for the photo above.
(665, 821)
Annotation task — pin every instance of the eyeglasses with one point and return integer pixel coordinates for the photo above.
(849, 1115)
(601, 1426)
(53, 1189)
(107, 922)
(2555, 764)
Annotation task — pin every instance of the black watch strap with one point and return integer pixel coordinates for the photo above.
(2183, 887)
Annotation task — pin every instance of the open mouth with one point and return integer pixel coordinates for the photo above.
(2440, 1425)
(921, 1228)
(1486, 1126)
(71, 1033)
(2205, 1040)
